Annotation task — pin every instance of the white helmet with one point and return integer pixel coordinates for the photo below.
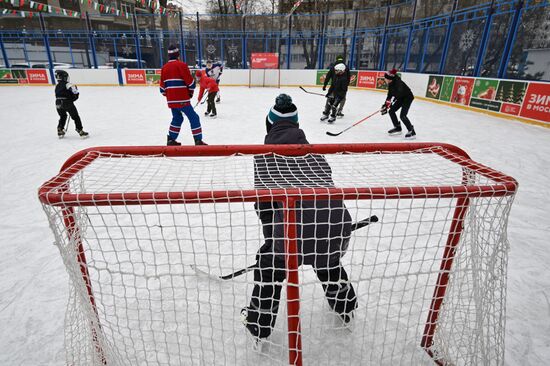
(340, 68)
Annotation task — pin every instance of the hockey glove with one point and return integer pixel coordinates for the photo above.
(324, 87)
(384, 109)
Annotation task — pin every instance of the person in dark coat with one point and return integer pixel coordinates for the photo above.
(65, 96)
(339, 76)
(402, 98)
(336, 96)
(323, 226)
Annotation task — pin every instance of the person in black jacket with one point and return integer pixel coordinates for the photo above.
(336, 96)
(330, 77)
(402, 98)
(65, 96)
(323, 226)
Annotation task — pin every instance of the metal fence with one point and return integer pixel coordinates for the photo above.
(498, 38)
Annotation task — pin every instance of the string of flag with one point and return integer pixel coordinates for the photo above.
(104, 9)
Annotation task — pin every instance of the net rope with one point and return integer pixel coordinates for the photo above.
(153, 269)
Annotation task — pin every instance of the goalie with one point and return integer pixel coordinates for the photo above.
(323, 227)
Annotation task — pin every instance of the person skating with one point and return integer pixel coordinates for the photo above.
(330, 77)
(399, 96)
(336, 95)
(323, 226)
(177, 85)
(215, 71)
(65, 96)
(211, 87)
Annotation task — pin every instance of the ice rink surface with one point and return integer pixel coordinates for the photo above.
(33, 281)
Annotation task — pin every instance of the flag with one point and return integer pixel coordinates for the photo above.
(295, 6)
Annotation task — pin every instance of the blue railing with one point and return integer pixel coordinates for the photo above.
(493, 39)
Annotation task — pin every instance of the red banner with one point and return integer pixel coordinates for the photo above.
(510, 108)
(264, 60)
(536, 104)
(367, 79)
(462, 90)
(135, 77)
(37, 76)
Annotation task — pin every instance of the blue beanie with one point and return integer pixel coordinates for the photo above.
(283, 109)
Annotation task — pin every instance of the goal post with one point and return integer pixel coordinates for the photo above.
(264, 70)
(146, 232)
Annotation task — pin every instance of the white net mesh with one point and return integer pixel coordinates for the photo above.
(150, 292)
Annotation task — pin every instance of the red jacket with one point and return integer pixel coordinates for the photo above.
(209, 84)
(176, 84)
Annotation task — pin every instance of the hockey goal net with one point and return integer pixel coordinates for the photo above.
(145, 233)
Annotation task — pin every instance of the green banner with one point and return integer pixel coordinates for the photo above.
(152, 77)
(485, 89)
(447, 88)
(353, 79)
(433, 90)
(511, 91)
(321, 74)
(8, 76)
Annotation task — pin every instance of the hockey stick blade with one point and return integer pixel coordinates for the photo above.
(353, 125)
(320, 94)
(355, 226)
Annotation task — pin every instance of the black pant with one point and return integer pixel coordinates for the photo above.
(334, 105)
(404, 104)
(71, 110)
(264, 304)
(211, 103)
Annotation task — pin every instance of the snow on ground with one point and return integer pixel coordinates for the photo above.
(33, 281)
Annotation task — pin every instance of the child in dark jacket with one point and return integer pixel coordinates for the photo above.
(402, 98)
(336, 95)
(65, 96)
(323, 226)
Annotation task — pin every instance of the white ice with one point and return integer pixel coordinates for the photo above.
(33, 281)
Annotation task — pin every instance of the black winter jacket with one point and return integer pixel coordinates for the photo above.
(331, 73)
(65, 94)
(399, 90)
(323, 226)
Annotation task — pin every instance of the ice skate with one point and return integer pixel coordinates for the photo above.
(60, 133)
(324, 117)
(331, 119)
(411, 135)
(254, 340)
(170, 142)
(395, 131)
(83, 134)
(199, 142)
(339, 115)
(213, 115)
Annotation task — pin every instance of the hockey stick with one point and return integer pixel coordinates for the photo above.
(205, 96)
(323, 95)
(353, 125)
(355, 226)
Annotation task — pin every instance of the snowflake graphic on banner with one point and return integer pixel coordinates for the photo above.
(126, 50)
(210, 48)
(467, 40)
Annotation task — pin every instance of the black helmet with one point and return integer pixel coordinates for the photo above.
(61, 75)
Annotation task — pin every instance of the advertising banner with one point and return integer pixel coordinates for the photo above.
(381, 82)
(367, 79)
(511, 93)
(134, 77)
(37, 76)
(152, 77)
(23, 76)
(353, 78)
(537, 102)
(462, 90)
(447, 88)
(484, 94)
(434, 86)
(321, 75)
(264, 60)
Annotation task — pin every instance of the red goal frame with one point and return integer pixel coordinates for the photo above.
(50, 194)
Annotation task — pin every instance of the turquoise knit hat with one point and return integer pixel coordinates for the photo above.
(283, 109)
